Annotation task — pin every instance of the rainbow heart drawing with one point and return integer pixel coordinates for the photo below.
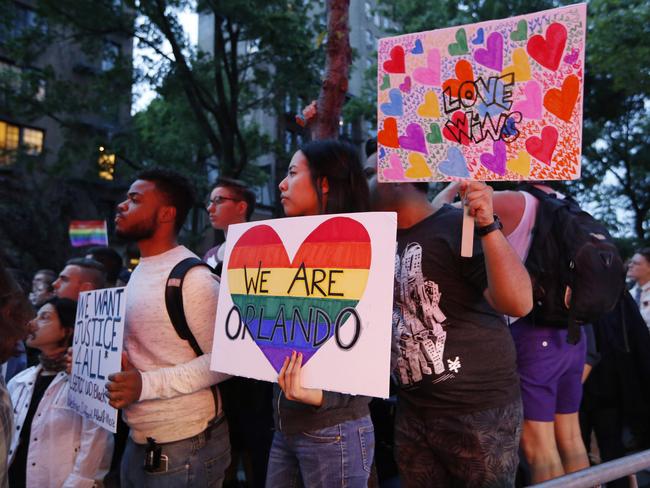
(301, 303)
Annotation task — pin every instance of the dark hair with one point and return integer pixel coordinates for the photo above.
(51, 275)
(241, 191)
(110, 259)
(92, 271)
(645, 252)
(66, 310)
(338, 162)
(175, 188)
(371, 147)
(15, 312)
(422, 186)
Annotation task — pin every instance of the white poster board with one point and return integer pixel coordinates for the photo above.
(97, 353)
(319, 285)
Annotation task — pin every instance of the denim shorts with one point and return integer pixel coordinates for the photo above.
(197, 461)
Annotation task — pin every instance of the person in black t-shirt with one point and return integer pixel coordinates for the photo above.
(459, 408)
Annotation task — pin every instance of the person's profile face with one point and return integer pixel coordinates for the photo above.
(297, 193)
(225, 208)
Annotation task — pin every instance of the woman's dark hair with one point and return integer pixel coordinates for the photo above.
(66, 309)
(15, 312)
(339, 163)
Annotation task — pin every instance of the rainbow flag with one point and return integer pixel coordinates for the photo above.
(298, 304)
(88, 233)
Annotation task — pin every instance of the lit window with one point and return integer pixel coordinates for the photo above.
(370, 40)
(368, 9)
(106, 164)
(33, 141)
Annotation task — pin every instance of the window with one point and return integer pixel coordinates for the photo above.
(370, 40)
(106, 164)
(109, 55)
(12, 137)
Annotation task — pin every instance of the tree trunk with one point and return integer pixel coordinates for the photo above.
(335, 84)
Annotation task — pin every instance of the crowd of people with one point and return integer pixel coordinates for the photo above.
(486, 395)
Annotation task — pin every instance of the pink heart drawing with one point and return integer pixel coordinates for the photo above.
(431, 74)
(396, 170)
(405, 86)
(492, 56)
(496, 162)
(531, 107)
(414, 139)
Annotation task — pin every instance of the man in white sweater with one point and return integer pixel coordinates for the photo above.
(177, 430)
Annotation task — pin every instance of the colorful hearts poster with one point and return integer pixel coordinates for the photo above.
(320, 286)
(497, 100)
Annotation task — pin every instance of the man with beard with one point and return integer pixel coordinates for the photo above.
(177, 427)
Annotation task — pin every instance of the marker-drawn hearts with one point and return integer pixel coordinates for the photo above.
(509, 128)
(394, 107)
(495, 162)
(479, 37)
(396, 171)
(459, 47)
(492, 56)
(417, 167)
(431, 74)
(430, 107)
(385, 84)
(435, 136)
(521, 32)
(520, 66)
(531, 106)
(464, 73)
(548, 51)
(382, 153)
(495, 108)
(572, 57)
(388, 135)
(520, 165)
(405, 86)
(455, 164)
(395, 64)
(417, 48)
(542, 148)
(413, 139)
(561, 102)
(289, 291)
(457, 129)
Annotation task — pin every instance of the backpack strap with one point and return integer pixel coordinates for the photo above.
(176, 311)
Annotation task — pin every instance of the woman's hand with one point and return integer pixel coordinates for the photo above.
(289, 380)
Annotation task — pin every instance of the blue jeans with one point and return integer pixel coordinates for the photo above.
(198, 461)
(336, 456)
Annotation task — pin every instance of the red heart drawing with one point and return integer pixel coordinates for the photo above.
(395, 64)
(542, 148)
(388, 135)
(561, 102)
(260, 280)
(464, 73)
(457, 129)
(548, 51)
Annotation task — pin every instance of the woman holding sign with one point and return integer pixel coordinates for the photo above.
(322, 438)
(44, 424)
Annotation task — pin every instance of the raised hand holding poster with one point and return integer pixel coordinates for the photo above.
(97, 353)
(319, 285)
(497, 100)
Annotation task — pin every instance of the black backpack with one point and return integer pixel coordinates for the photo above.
(176, 312)
(576, 270)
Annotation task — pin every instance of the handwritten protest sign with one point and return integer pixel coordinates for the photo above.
(497, 100)
(97, 353)
(320, 285)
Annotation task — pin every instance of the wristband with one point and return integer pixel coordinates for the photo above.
(486, 229)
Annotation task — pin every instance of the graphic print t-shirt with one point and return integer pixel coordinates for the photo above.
(451, 351)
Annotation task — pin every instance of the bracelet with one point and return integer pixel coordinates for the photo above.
(486, 229)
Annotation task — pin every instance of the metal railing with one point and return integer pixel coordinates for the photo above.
(619, 468)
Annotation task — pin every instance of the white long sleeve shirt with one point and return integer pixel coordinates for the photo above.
(176, 402)
(65, 450)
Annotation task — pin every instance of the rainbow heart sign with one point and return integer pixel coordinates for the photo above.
(314, 285)
(498, 91)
